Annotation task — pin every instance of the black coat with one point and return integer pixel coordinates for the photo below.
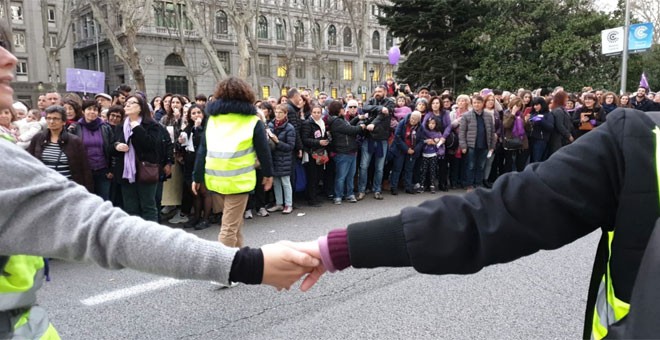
(283, 155)
(374, 108)
(343, 134)
(312, 135)
(146, 139)
(563, 130)
(293, 116)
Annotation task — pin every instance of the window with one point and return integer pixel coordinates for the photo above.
(348, 70)
(52, 40)
(171, 15)
(375, 41)
(22, 67)
(300, 67)
(176, 84)
(51, 14)
(364, 71)
(316, 34)
(332, 35)
(280, 29)
(348, 37)
(221, 26)
(264, 65)
(262, 28)
(16, 13)
(224, 60)
(19, 41)
(389, 40)
(299, 31)
(316, 71)
(377, 68)
(174, 60)
(332, 69)
(281, 67)
(265, 92)
(389, 71)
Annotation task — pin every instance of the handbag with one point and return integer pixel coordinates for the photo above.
(586, 126)
(451, 143)
(513, 143)
(147, 173)
(320, 156)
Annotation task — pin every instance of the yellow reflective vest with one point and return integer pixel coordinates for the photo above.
(21, 278)
(230, 155)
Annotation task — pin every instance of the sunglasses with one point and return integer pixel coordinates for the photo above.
(352, 107)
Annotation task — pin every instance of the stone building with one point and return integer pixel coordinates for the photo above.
(323, 61)
(28, 22)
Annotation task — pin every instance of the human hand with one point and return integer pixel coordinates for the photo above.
(311, 248)
(464, 151)
(324, 142)
(385, 110)
(370, 127)
(168, 169)
(198, 122)
(177, 113)
(571, 139)
(195, 188)
(122, 147)
(109, 175)
(267, 182)
(284, 264)
(275, 139)
(300, 153)
(411, 151)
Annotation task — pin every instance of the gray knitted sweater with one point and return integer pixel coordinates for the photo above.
(44, 214)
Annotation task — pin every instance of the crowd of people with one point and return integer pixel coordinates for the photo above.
(322, 148)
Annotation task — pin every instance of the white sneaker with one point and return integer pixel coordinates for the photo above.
(248, 214)
(167, 209)
(262, 212)
(178, 218)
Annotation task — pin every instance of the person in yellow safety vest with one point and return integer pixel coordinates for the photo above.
(35, 223)
(233, 141)
(608, 180)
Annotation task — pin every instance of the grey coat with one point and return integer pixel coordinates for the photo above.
(467, 135)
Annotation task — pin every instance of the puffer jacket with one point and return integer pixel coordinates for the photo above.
(312, 135)
(467, 135)
(283, 152)
(400, 145)
(374, 108)
(343, 134)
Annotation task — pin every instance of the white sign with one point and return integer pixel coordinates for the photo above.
(612, 40)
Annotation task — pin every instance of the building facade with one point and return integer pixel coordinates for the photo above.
(293, 49)
(31, 25)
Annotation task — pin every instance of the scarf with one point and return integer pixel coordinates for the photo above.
(321, 124)
(279, 123)
(609, 107)
(93, 125)
(129, 157)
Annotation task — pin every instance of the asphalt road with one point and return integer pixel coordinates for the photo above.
(540, 296)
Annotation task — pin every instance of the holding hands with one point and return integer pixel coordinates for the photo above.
(286, 262)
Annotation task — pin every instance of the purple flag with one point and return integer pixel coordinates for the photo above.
(644, 83)
(87, 81)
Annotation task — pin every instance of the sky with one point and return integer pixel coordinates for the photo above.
(606, 5)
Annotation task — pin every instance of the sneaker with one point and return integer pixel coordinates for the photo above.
(361, 196)
(394, 192)
(262, 212)
(410, 191)
(378, 195)
(178, 218)
(203, 224)
(218, 285)
(191, 223)
(287, 209)
(215, 218)
(314, 204)
(331, 197)
(248, 214)
(432, 189)
(275, 208)
(338, 201)
(420, 189)
(167, 209)
(352, 199)
(417, 186)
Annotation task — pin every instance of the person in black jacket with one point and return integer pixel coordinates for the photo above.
(543, 123)
(379, 110)
(315, 140)
(613, 187)
(563, 131)
(137, 139)
(344, 145)
(641, 101)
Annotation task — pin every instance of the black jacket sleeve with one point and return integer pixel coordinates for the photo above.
(262, 149)
(539, 208)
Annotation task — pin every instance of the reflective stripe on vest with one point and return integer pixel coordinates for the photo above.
(230, 156)
(22, 277)
(609, 309)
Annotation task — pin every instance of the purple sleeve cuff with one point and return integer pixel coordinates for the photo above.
(338, 248)
(325, 254)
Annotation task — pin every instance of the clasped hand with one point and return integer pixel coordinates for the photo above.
(286, 262)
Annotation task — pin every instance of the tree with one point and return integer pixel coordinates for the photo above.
(358, 12)
(242, 14)
(203, 31)
(131, 16)
(53, 43)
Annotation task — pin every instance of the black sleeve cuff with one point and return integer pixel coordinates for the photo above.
(378, 243)
(248, 266)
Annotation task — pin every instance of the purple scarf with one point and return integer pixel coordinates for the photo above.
(518, 127)
(129, 157)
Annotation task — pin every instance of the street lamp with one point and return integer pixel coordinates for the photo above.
(371, 77)
(323, 80)
(453, 73)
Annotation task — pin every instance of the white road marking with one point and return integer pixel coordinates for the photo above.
(130, 291)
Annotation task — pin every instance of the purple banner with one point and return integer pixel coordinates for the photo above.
(86, 81)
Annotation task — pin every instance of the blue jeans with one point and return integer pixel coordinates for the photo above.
(283, 182)
(537, 148)
(405, 163)
(364, 165)
(344, 174)
(476, 161)
(101, 183)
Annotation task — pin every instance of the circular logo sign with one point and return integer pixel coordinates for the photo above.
(613, 37)
(641, 32)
